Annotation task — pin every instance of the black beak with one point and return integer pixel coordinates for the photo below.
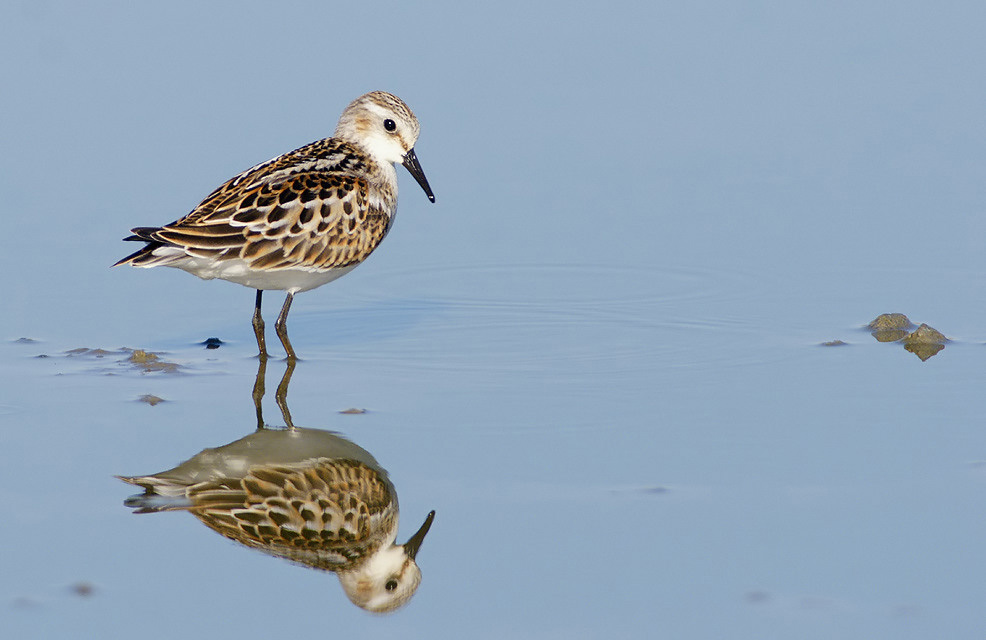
(414, 543)
(414, 168)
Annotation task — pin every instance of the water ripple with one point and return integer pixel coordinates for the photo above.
(568, 319)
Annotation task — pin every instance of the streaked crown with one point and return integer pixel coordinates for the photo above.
(382, 124)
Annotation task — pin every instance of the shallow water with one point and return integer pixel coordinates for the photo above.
(599, 357)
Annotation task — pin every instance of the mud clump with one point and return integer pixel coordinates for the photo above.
(890, 327)
(924, 341)
(150, 362)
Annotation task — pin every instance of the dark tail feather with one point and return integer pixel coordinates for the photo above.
(135, 255)
(141, 234)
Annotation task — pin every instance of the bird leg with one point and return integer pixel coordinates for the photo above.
(258, 326)
(281, 327)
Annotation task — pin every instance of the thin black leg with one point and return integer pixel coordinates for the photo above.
(258, 326)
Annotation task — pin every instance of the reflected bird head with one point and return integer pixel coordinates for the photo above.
(388, 578)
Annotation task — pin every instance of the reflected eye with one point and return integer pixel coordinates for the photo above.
(389, 125)
(391, 585)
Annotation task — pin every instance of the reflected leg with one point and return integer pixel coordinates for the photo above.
(281, 395)
(259, 390)
(281, 327)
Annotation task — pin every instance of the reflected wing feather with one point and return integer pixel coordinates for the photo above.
(321, 502)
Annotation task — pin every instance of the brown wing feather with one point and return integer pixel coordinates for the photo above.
(304, 209)
(310, 219)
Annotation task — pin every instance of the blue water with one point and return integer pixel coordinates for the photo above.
(598, 356)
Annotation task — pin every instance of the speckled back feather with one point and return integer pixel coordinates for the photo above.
(308, 209)
(326, 514)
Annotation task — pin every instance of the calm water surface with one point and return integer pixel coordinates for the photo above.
(598, 358)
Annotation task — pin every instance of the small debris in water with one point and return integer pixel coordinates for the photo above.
(83, 589)
(886, 321)
(149, 362)
(150, 399)
(139, 356)
(889, 335)
(352, 411)
(212, 343)
(925, 335)
(925, 342)
(84, 351)
(890, 327)
(143, 361)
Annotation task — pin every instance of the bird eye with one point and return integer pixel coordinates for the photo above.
(389, 125)
(391, 585)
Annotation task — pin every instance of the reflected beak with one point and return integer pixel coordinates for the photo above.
(414, 543)
(414, 168)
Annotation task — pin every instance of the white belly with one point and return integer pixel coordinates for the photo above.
(238, 271)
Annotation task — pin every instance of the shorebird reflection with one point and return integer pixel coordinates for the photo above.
(307, 495)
